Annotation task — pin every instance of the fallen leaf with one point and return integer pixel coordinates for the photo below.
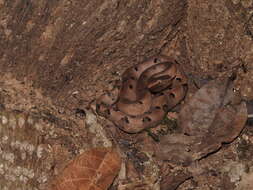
(212, 116)
(199, 112)
(94, 169)
(176, 149)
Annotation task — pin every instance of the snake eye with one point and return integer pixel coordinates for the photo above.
(136, 68)
(131, 86)
(146, 119)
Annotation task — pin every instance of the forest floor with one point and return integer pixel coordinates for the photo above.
(213, 41)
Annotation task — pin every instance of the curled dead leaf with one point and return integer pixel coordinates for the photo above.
(176, 148)
(212, 116)
(199, 112)
(94, 169)
(215, 115)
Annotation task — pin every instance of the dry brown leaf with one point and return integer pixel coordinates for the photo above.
(94, 169)
(199, 112)
(176, 149)
(212, 116)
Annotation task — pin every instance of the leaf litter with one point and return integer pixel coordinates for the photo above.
(214, 115)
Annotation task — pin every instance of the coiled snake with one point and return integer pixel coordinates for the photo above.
(147, 92)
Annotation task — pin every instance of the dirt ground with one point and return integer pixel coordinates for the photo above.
(57, 57)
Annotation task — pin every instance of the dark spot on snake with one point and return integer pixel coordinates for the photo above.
(131, 86)
(187, 134)
(98, 106)
(179, 79)
(165, 107)
(158, 107)
(108, 112)
(146, 119)
(155, 60)
(172, 95)
(136, 68)
(132, 78)
(125, 119)
(169, 87)
(140, 102)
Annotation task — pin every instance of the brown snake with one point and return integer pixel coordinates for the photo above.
(147, 92)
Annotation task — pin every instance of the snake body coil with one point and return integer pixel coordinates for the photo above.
(147, 92)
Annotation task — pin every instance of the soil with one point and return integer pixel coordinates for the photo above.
(57, 57)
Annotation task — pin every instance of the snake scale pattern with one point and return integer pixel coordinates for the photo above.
(147, 92)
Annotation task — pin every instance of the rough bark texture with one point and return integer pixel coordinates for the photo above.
(59, 45)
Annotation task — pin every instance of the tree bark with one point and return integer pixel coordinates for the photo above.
(55, 56)
(58, 45)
